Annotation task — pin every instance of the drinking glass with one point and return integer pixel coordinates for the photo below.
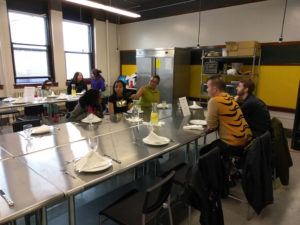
(73, 93)
(93, 143)
(27, 128)
(135, 110)
(90, 119)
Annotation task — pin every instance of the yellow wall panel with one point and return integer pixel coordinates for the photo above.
(128, 70)
(278, 85)
(195, 80)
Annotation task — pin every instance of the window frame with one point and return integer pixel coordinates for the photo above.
(90, 53)
(47, 51)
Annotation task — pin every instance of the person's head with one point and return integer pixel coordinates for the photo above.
(154, 81)
(46, 85)
(91, 97)
(97, 74)
(215, 86)
(245, 87)
(119, 88)
(77, 77)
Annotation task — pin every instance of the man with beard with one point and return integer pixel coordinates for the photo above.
(254, 110)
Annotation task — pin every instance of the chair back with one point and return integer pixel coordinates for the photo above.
(18, 126)
(33, 110)
(158, 194)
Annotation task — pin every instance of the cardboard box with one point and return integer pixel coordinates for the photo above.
(248, 52)
(231, 46)
(232, 53)
(248, 44)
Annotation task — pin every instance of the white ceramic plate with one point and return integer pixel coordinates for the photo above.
(195, 107)
(198, 122)
(130, 111)
(160, 106)
(86, 121)
(96, 169)
(166, 141)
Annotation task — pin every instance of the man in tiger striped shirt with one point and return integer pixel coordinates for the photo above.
(225, 115)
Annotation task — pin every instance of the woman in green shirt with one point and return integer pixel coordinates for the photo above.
(148, 93)
(52, 108)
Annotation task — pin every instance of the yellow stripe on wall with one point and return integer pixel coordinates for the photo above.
(128, 70)
(277, 85)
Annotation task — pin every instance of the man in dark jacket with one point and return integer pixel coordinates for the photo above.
(254, 110)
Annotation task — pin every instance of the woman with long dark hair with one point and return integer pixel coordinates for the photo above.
(80, 85)
(118, 102)
(90, 102)
(98, 82)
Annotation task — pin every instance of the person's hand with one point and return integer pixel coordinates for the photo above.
(236, 98)
(132, 97)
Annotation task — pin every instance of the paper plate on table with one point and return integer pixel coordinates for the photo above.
(92, 162)
(198, 122)
(19, 101)
(52, 96)
(154, 139)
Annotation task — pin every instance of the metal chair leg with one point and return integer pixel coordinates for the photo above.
(170, 211)
(189, 215)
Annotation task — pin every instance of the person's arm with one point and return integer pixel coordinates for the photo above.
(212, 115)
(138, 94)
(111, 108)
(77, 114)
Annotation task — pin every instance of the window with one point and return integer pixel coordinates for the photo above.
(29, 38)
(77, 46)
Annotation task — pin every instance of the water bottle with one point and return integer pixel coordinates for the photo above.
(154, 114)
(39, 92)
(135, 110)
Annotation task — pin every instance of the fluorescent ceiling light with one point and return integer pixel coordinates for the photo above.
(105, 7)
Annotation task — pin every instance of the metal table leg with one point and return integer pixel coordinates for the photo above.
(71, 210)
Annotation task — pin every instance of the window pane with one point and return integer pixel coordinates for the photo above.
(31, 63)
(78, 63)
(76, 37)
(27, 29)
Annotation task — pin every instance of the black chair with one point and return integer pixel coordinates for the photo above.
(32, 112)
(18, 126)
(137, 208)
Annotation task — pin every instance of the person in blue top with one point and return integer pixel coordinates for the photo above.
(98, 81)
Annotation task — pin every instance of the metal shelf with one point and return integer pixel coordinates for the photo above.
(254, 62)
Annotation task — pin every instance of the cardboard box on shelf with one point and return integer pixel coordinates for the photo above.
(232, 53)
(248, 52)
(248, 44)
(231, 46)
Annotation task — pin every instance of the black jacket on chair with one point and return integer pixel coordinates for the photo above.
(257, 173)
(280, 148)
(204, 186)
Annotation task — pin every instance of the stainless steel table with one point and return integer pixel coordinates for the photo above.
(49, 154)
(28, 190)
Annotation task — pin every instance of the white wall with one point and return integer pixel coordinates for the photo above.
(256, 21)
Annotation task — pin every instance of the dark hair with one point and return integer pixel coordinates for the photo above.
(97, 74)
(248, 83)
(121, 82)
(218, 82)
(157, 77)
(75, 77)
(45, 83)
(90, 98)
